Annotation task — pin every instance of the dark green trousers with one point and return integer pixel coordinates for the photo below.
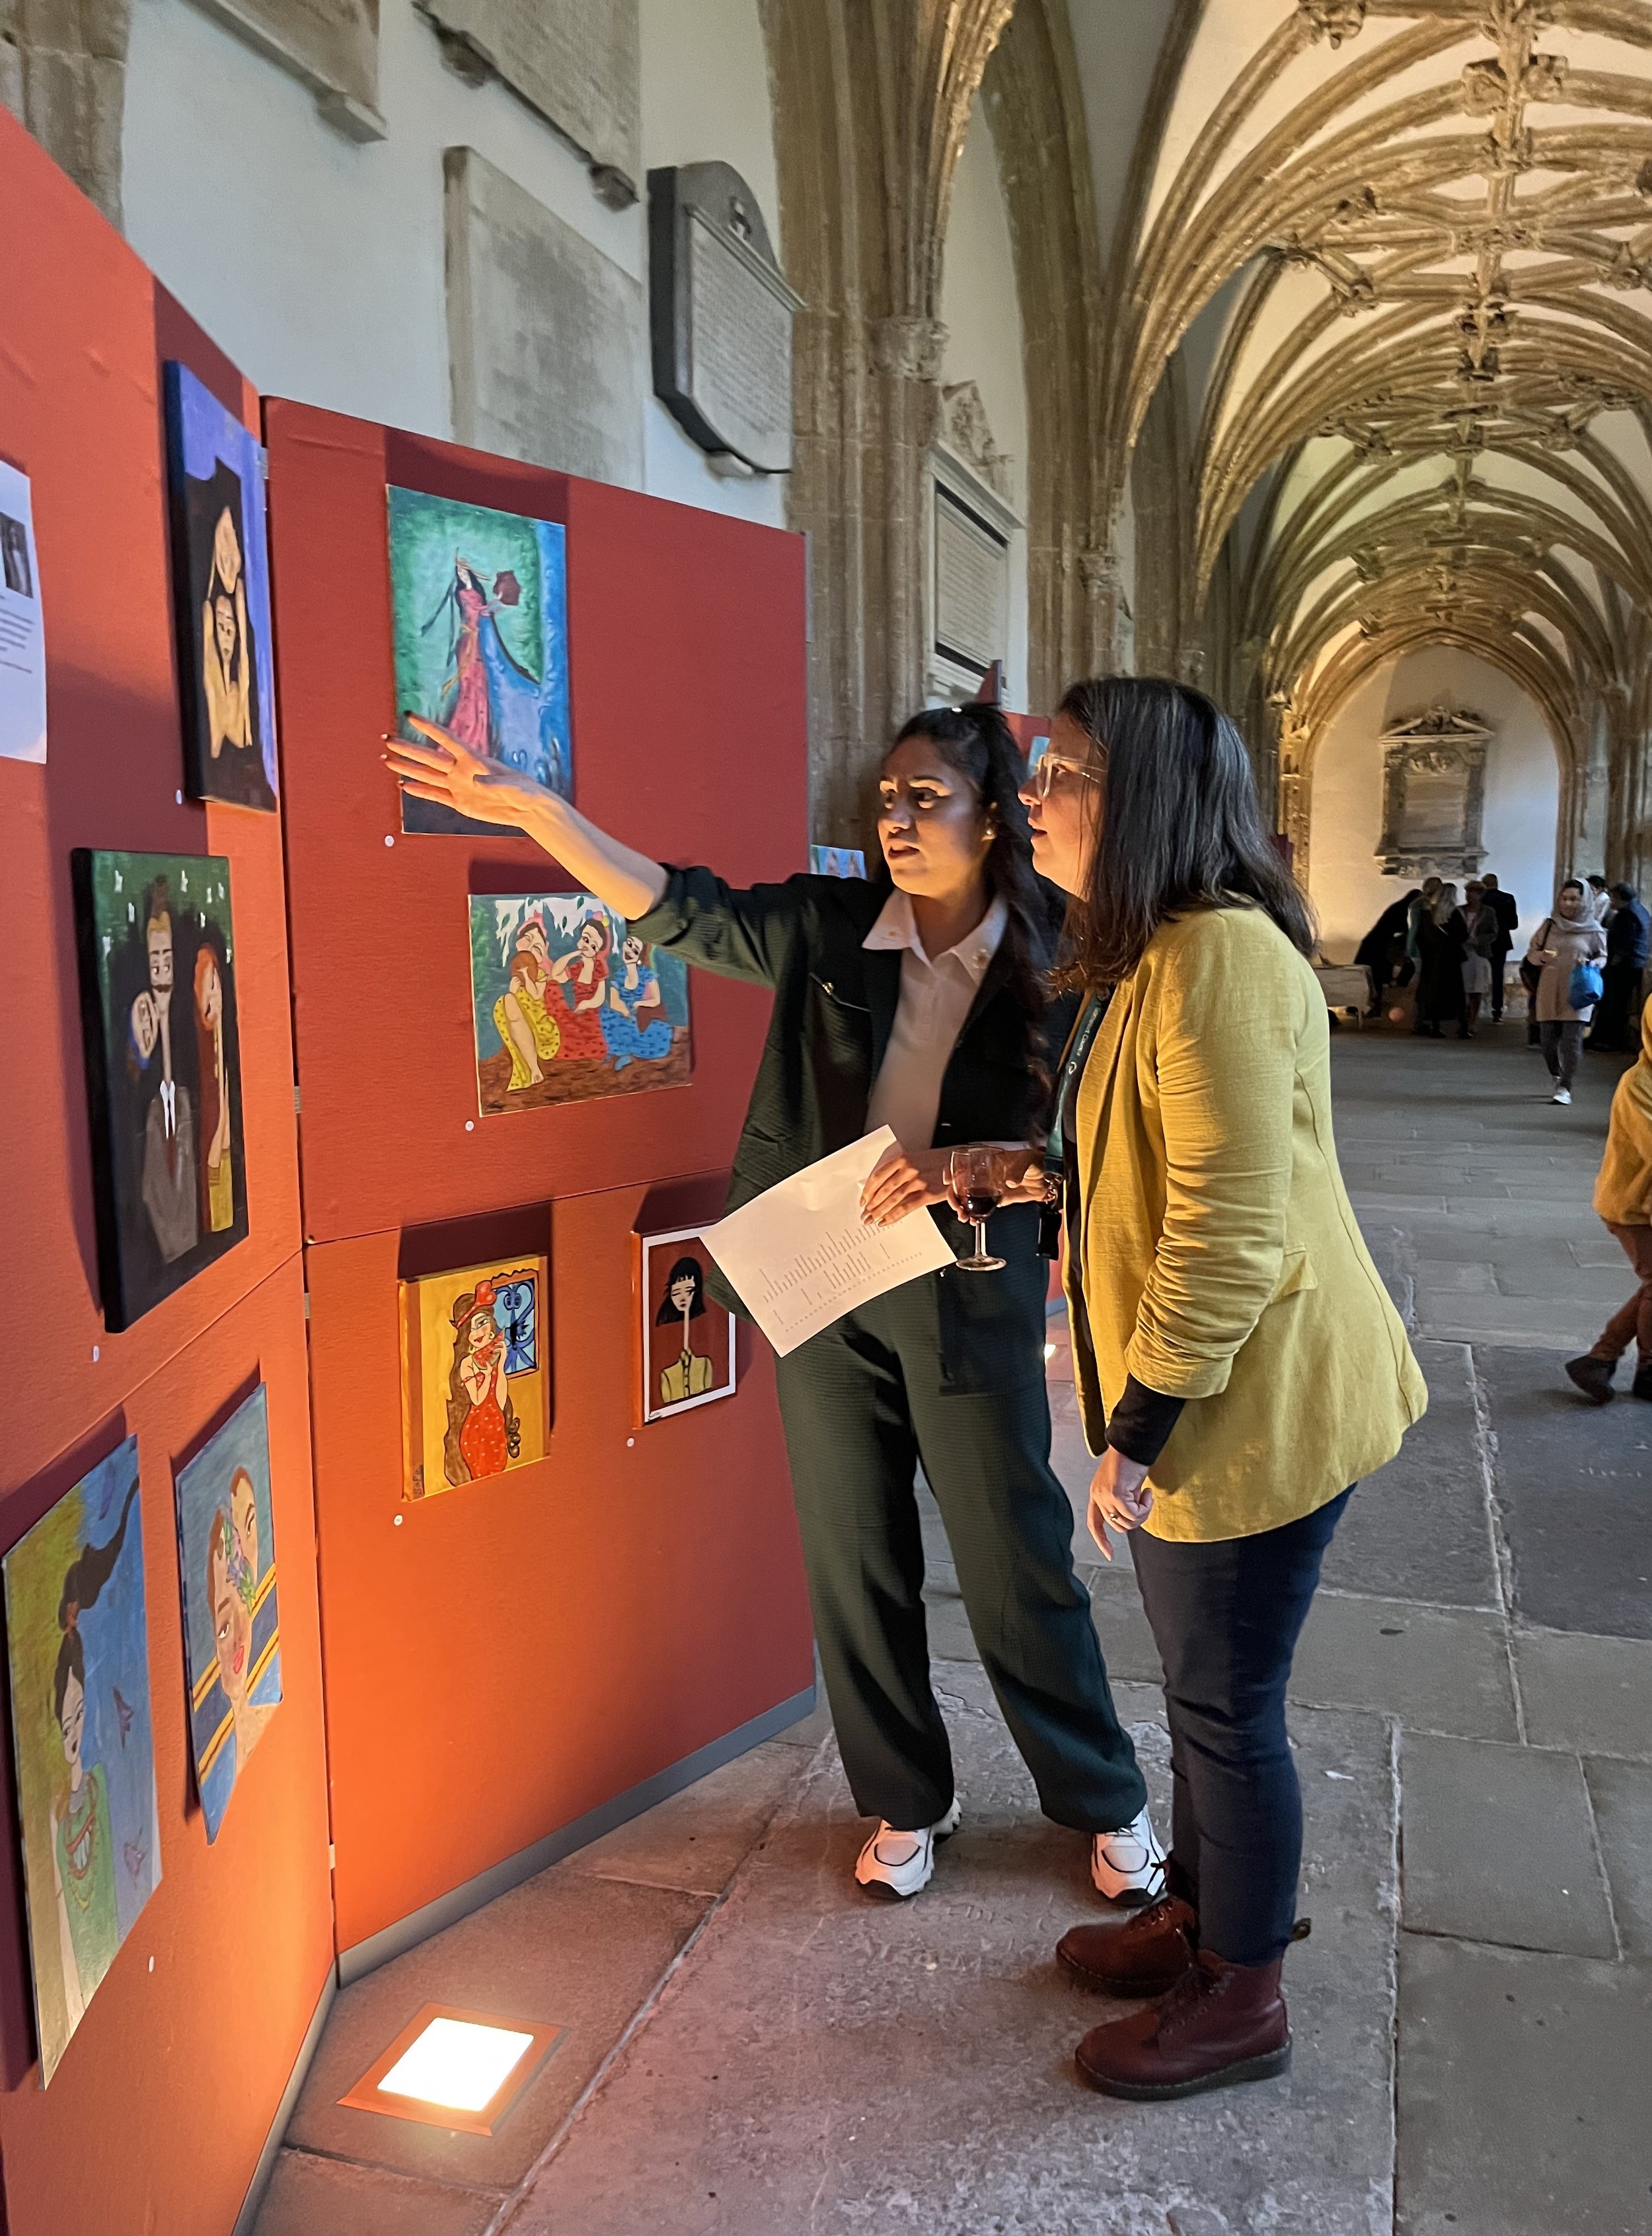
(863, 1402)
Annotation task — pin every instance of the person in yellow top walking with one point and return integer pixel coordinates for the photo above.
(1623, 1199)
(1239, 1364)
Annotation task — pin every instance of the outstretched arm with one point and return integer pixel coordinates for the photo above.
(436, 767)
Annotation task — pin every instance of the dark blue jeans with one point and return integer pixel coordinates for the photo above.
(1225, 1618)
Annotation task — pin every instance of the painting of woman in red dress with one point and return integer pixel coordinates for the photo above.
(484, 1434)
(467, 712)
(582, 978)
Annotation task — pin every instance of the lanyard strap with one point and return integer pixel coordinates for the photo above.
(1075, 1056)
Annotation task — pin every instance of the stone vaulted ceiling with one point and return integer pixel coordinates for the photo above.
(1426, 417)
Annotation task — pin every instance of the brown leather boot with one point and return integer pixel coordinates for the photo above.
(1221, 2024)
(1142, 1958)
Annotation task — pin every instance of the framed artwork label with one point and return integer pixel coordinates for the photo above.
(232, 1624)
(480, 611)
(220, 590)
(476, 1374)
(687, 1338)
(77, 1646)
(159, 1018)
(569, 1004)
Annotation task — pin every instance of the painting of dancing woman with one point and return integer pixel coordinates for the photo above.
(80, 1705)
(480, 611)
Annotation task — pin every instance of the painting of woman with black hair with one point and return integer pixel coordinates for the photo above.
(688, 1339)
(221, 570)
(80, 1702)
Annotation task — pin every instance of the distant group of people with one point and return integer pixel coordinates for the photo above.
(1584, 965)
(1456, 951)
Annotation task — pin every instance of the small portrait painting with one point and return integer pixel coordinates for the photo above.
(221, 594)
(15, 570)
(78, 1651)
(232, 1622)
(687, 1338)
(475, 1382)
(163, 1068)
(479, 608)
(568, 1003)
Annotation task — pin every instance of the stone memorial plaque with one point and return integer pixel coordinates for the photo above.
(721, 314)
(331, 46)
(578, 62)
(546, 335)
(971, 585)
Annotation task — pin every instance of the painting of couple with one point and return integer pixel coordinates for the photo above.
(569, 1004)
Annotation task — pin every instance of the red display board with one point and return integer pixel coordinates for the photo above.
(504, 1658)
(157, 2114)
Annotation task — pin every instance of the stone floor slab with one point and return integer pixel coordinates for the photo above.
(1575, 1484)
(1593, 1695)
(565, 1948)
(312, 2196)
(821, 2064)
(1419, 1528)
(1621, 1793)
(1439, 1669)
(694, 1840)
(1499, 1845)
(1522, 2094)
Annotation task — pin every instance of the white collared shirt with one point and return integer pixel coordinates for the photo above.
(934, 999)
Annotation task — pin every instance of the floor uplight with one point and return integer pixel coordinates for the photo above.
(455, 2063)
(453, 2068)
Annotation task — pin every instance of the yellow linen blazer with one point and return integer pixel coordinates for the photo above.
(1217, 1253)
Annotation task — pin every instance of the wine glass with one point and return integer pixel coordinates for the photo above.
(975, 1177)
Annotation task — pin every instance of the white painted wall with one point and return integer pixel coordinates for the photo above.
(318, 264)
(982, 314)
(1522, 792)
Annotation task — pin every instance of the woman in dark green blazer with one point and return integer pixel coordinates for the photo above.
(917, 999)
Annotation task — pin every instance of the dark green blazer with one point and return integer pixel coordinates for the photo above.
(834, 1007)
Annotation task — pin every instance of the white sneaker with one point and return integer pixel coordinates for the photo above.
(894, 1865)
(1127, 1866)
(1560, 1094)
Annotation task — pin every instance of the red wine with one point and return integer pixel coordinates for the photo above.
(980, 1207)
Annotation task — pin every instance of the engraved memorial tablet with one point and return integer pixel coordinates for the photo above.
(1433, 794)
(971, 585)
(721, 315)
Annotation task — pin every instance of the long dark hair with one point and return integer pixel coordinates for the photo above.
(455, 1465)
(979, 743)
(82, 1584)
(1181, 826)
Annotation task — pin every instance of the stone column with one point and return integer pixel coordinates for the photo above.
(63, 74)
(872, 100)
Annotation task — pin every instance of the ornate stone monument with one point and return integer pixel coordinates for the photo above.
(721, 314)
(1433, 794)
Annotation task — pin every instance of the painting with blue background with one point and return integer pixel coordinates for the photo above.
(232, 1634)
(221, 597)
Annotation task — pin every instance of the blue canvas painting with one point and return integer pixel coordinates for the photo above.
(78, 1651)
(220, 588)
(479, 602)
(231, 1621)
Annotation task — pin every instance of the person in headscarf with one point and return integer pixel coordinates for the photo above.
(1623, 1199)
(1562, 942)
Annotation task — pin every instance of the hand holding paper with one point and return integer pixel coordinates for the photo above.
(800, 1255)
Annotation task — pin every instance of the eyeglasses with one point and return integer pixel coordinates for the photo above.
(1052, 770)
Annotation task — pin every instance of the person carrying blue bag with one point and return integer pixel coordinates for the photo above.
(1566, 950)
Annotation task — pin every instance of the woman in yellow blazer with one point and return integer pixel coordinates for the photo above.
(1623, 1200)
(1240, 1366)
